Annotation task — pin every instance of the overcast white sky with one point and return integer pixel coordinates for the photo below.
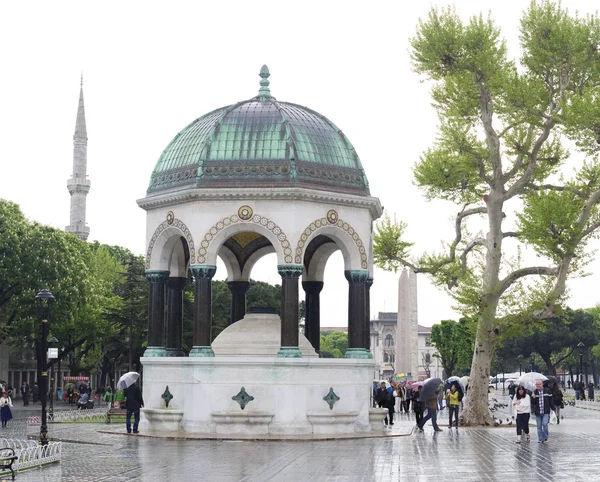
(150, 69)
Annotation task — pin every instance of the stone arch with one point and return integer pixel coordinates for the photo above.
(341, 231)
(163, 235)
(229, 225)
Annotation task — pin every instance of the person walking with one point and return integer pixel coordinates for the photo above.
(35, 392)
(133, 403)
(432, 408)
(578, 387)
(542, 403)
(5, 412)
(385, 399)
(453, 399)
(590, 388)
(25, 393)
(522, 407)
(408, 397)
(557, 394)
(417, 405)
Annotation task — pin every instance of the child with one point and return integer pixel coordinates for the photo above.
(522, 405)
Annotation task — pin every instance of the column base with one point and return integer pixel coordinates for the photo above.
(358, 353)
(174, 352)
(202, 351)
(154, 351)
(289, 352)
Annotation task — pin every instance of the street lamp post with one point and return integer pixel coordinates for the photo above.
(520, 357)
(44, 299)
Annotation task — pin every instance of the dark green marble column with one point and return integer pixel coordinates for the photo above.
(357, 299)
(367, 344)
(156, 312)
(238, 299)
(203, 275)
(312, 320)
(174, 329)
(289, 310)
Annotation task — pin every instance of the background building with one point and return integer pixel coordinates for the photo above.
(384, 341)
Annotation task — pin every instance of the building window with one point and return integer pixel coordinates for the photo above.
(389, 341)
(428, 341)
(385, 358)
(427, 358)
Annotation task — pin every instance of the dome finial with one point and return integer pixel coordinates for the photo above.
(264, 92)
(81, 81)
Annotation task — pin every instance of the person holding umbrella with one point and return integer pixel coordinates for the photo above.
(542, 403)
(385, 399)
(430, 393)
(133, 400)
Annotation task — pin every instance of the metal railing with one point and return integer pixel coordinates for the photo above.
(31, 454)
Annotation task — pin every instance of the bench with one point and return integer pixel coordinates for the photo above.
(115, 412)
(7, 458)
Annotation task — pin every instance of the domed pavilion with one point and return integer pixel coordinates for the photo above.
(257, 177)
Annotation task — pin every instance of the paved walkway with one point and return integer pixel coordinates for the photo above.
(469, 454)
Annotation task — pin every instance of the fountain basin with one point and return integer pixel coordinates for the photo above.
(163, 419)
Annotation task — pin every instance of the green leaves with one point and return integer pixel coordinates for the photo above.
(389, 248)
(549, 223)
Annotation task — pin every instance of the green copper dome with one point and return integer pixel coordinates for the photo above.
(260, 143)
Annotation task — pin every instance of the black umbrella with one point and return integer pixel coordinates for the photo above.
(429, 389)
(552, 380)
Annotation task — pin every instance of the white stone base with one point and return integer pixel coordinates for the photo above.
(288, 394)
(377, 415)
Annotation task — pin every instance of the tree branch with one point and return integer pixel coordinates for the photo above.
(553, 187)
(521, 273)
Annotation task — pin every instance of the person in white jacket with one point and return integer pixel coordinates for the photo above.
(522, 407)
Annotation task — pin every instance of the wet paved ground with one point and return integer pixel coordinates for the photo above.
(463, 455)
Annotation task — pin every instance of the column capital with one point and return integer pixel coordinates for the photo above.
(206, 271)
(312, 287)
(157, 276)
(357, 275)
(290, 271)
(238, 286)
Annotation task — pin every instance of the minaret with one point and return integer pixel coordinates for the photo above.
(78, 184)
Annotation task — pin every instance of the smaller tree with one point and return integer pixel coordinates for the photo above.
(334, 342)
(454, 344)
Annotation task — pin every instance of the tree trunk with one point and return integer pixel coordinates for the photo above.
(476, 411)
(550, 368)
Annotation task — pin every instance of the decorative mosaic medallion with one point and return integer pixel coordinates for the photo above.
(245, 212)
(332, 216)
(170, 217)
(242, 398)
(331, 398)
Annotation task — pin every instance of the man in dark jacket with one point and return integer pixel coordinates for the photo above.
(542, 402)
(133, 403)
(385, 400)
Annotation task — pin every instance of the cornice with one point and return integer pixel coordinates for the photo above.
(164, 199)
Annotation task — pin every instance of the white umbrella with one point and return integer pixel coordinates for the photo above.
(465, 381)
(528, 380)
(127, 380)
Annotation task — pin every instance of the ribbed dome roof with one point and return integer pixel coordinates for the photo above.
(260, 143)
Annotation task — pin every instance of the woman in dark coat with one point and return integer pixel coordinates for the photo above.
(591, 390)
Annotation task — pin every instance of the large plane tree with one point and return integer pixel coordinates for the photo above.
(502, 157)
